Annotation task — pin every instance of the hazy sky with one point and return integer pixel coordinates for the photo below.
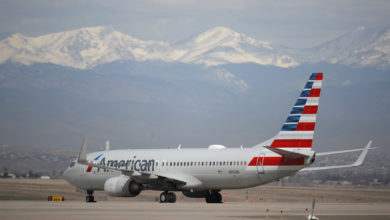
(300, 23)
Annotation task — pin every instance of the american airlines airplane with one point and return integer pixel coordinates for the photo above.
(204, 172)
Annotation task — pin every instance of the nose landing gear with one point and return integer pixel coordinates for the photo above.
(167, 197)
(89, 197)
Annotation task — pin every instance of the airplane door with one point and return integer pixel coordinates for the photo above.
(260, 161)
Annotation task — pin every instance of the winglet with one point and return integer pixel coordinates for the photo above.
(83, 152)
(363, 155)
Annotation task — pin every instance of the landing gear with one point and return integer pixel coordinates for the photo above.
(167, 197)
(213, 197)
(90, 197)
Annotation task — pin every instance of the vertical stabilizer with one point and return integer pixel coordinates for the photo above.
(298, 129)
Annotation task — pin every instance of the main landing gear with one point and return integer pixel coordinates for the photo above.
(90, 197)
(213, 197)
(167, 197)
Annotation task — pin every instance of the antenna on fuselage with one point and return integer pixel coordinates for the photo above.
(107, 145)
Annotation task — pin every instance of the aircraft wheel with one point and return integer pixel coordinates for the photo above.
(214, 197)
(90, 199)
(164, 197)
(218, 197)
(172, 197)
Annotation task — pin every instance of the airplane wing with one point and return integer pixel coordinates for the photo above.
(358, 162)
(184, 180)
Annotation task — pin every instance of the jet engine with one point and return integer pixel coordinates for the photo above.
(122, 186)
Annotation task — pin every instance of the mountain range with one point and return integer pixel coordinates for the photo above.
(218, 87)
(89, 47)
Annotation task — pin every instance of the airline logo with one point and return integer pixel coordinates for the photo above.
(89, 169)
(298, 129)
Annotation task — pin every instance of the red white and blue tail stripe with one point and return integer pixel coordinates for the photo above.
(298, 129)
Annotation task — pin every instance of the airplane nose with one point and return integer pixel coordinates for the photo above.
(66, 174)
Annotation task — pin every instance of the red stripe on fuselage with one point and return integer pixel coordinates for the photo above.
(276, 161)
(296, 143)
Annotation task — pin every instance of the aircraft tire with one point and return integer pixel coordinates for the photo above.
(89, 199)
(164, 197)
(214, 197)
(172, 197)
(218, 197)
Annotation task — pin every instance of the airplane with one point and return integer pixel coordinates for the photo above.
(204, 172)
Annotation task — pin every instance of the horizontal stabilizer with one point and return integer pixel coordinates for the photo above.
(341, 151)
(286, 153)
(359, 161)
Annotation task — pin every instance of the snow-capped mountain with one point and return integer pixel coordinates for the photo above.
(222, 45)
(88, 47)
(360, 47)
(82, 48)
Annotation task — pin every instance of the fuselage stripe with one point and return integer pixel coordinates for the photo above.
(292, 143)
(276, 161)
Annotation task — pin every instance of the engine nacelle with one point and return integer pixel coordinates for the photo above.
(122, 186)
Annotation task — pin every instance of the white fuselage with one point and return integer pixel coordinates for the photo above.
(232, 168)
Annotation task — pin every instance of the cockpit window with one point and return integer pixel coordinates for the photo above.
(72, 164)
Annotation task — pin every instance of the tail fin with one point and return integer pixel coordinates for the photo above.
(298, 129)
